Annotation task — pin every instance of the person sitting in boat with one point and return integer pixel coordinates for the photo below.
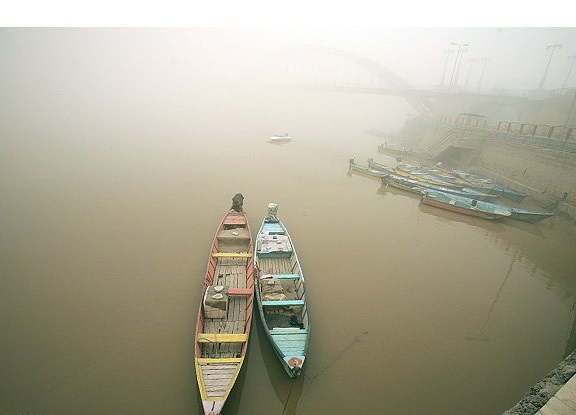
(238, 202)
(272, 212)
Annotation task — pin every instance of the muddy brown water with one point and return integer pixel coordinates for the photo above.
(106, 229)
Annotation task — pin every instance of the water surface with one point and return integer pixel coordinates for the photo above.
(109, 207)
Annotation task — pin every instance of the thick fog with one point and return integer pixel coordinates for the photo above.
(121, 150)
(109, 79)
(130, 62)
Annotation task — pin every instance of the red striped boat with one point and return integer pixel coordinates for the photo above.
(225, 313)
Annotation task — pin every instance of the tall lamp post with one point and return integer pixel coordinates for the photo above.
(447, 53)
(461, 48)
(572, 58)
(553, 47)
(484, 62)
(471, 63)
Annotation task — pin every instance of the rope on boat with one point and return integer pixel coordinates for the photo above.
(287, 399)
(313, 377)
(338, 356)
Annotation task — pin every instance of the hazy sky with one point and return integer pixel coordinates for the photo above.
(517, 56)
(407, 37)
(293, 13)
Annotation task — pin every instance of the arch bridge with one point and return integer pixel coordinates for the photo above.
(332, 70)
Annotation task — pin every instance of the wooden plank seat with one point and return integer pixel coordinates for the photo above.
(231, 255)
(213, 360)
(284, 330)
(240, 291)
(283, 303)
(234, 219)
(273, 228)
(283, 276)
(221, 338)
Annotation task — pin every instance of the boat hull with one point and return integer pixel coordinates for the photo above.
(452, 208)
(487, 207)
(225, 312)
(366, 171)
(532, 217)
(281, 296)
(419, 187)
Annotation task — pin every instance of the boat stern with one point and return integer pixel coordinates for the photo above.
(294, 365)
(213, 407)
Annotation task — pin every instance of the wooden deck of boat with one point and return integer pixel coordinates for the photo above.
(281, 266)
(292, 289)
(230, 272)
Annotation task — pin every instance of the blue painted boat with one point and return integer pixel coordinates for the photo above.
(388, 177)
(415, 186)
(281, 293)
(411, 172)
(479, 182)
(367, 171)
(511, 212)
(466, 206)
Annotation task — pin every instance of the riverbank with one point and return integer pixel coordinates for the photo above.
(555, 394)
(545, 178)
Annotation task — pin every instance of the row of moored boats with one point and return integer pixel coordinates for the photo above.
(452, 190)
(239, 271)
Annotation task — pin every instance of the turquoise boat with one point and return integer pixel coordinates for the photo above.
(470, 207)
(449, 201)
(418, 187)
(281, 293)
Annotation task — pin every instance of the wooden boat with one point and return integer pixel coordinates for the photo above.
(470, 207)
(415, 186)
(225, 313)
(529, 216)
(509, 193)
(367, 171)
(412, 174)
(281, 293)
(280, 138)
(513, 213)
(478, 182)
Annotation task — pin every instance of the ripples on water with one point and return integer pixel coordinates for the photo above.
(105, 240)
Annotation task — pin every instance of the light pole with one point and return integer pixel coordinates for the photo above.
(569, 71)
(461, 48)
(484, 62)
(553, 47)
(447, 53)
(471, 62)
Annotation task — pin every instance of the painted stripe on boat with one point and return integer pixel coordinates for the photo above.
(240, 291)
(208, 360)
(231, 255)
(287, 331)
(283, 276)
(283, 303)
(222, 337)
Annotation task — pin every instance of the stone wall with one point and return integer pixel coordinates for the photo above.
(543, 174)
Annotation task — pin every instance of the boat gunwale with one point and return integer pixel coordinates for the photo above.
(199, 360)
(279, 353)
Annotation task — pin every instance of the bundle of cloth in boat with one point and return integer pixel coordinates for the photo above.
(272, 289)
(216, 302)
(273, 243)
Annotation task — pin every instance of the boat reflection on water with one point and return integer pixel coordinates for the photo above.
(494, 226)
(288, 390)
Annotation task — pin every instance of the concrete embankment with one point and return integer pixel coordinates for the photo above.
(547, 176)
(548, 391)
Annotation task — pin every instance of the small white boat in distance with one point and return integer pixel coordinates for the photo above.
(280, 138)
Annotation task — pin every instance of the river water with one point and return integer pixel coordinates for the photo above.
(107, 219)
